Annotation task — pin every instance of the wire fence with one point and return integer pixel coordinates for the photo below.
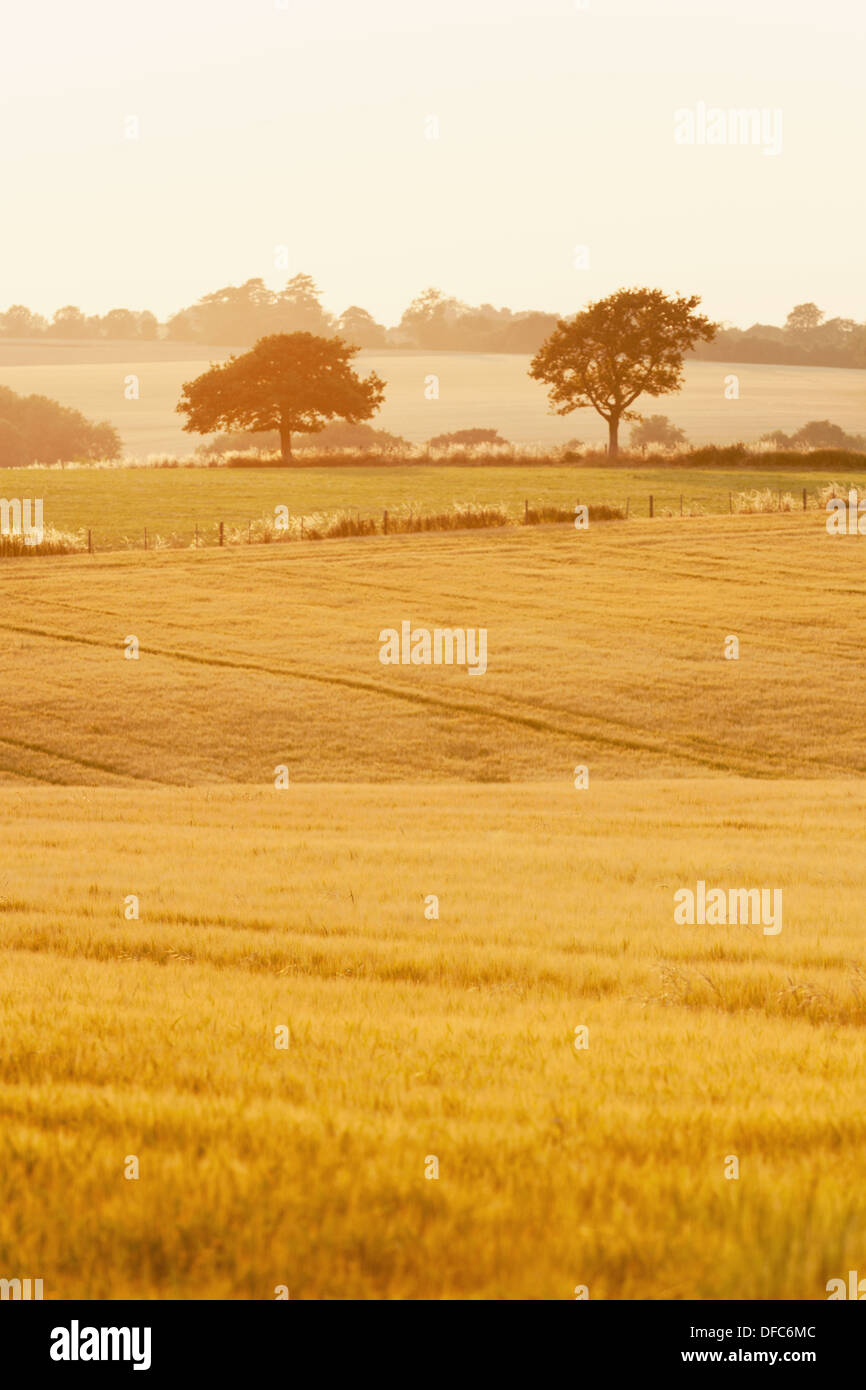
(329, 523)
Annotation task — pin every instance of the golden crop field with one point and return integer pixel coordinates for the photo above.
(411, 1036)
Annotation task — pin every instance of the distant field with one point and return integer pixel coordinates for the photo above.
(486, 389)
(117, 505)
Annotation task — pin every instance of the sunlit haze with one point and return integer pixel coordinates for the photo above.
(309, 126)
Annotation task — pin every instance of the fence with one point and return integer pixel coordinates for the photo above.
(350, 522)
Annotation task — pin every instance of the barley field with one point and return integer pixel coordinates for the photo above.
(413, 1036)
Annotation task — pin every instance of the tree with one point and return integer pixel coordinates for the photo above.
(234, 314)
(431, 318)
(297, 308)
(69, 322)
(13, 446)
(358, 326)
(289, 382)
(19, 322)
(823, 434)
(181, 327)
(120, 324)
(816, 434)
(802, 321)
(148, 325)
(656, 429)
(628, 345)
(34, 429)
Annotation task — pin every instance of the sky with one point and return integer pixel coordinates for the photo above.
(152, 152)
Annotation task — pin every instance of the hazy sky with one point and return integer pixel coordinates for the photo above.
(304, 123)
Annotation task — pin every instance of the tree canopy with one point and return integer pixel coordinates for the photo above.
(288, 383)
(35, 429)
(656, 429)
(617, 349)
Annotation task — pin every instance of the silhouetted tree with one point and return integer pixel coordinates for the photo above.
(19, 322)
(656, 429)
(617, 349)
(289, 382)
(816, 434)
(430, 319)
(13, 446)
(120, 323)
(803, 320)
(69, 322)
(297, 309)
(148, 325)
(39, 430)
(356, 325)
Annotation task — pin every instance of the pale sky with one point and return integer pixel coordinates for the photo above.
(303, 123)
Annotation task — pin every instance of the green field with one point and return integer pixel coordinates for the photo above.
(118, 504)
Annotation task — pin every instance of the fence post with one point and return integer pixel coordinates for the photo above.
(526, 511)
(731, 503)
(384, 523)
(804, 499)
(222, 524)
(89, 542)
(627, 501)
(651, 504)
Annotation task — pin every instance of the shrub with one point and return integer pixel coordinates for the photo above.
(34, 429)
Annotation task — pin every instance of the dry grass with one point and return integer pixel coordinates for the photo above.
(605, 646)
(412, 1037)
(453, 1037)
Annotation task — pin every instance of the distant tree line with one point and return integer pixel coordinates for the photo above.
(69, 322)
(238, 315)
(807, 339)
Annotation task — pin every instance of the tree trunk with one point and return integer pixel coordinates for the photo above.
(286, 444)
(613, 437)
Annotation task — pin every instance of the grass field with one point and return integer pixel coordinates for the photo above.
(411, 1037)
(117, 505)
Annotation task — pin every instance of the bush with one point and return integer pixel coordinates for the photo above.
(466, 437)
(817, 434)
(718, 455)
(34, 429)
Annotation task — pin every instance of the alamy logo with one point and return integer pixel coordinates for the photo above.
(856, 1288)
(20, 1289)
(19, 517)
(714, 125)
(444, 646)
(102, 1344)
(846, 518)
(718, 908)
